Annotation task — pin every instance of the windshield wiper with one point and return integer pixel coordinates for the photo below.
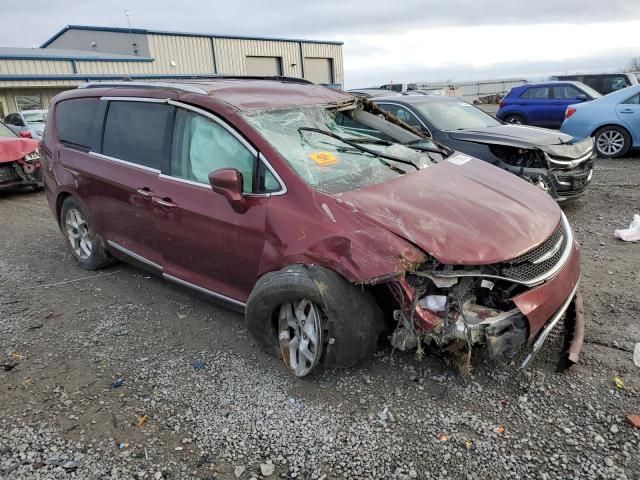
(355, 145)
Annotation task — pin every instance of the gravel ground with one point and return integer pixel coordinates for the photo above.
(120, 375)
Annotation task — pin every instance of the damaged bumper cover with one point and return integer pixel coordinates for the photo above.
(486, 307)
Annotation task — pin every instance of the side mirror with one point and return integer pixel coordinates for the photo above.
(25, 134)
(581, 98)
(228, 183)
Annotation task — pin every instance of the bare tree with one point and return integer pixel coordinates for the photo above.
(633, 65)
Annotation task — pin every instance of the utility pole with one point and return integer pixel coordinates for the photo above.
(134, 45)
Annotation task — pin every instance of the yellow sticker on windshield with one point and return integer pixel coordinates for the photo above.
(323, 158)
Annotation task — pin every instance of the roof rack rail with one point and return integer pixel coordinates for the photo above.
(125, 84)
(277, 78)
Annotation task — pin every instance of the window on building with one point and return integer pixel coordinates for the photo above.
(28, 102)
(77, 122)
(137, 132)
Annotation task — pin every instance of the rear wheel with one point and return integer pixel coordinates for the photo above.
(309, 315)
(86, 247)
(612, 142)
(514, 119)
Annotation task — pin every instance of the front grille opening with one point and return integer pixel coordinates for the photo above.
(528, 266)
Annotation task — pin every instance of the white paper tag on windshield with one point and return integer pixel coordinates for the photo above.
(459, 159)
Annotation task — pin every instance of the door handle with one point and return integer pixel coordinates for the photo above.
(145, 192)
(164, 202)
(627, 110)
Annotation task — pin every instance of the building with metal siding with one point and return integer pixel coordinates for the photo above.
(78, 53)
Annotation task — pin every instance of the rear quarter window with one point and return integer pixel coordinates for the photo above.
(77, 122)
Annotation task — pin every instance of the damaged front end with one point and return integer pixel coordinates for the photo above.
(501, 307)
(24, 172)
(563, 170)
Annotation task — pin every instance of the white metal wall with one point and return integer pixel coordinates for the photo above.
(231, 55)
(108, 42)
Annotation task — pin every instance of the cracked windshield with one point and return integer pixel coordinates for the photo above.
(335, 158)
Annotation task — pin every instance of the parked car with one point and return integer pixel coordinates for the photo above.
(247, 190)
(31, 121)
(542, 104)
(613, 121)
(551, 160)
(19, 161)
(603, 83)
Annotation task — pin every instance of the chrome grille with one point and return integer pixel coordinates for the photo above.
(538, 261)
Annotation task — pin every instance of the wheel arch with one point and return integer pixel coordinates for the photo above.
(610, 124)
(355, 318)
(62, 196)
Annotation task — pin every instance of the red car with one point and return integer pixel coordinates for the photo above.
(250, 190)
(19, 160)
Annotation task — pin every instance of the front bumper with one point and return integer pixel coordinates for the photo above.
(16, 175)
(571, 184)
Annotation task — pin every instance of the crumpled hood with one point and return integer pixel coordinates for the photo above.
(554, 143)
(14, 148)
(461, 211)
(515, 135)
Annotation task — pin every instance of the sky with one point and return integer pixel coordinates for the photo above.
(399, 41)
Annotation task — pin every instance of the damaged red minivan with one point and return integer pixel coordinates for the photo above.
(250, 191)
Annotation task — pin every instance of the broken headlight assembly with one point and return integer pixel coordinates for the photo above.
(32, 157)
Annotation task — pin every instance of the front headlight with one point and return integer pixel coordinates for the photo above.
(32, 157)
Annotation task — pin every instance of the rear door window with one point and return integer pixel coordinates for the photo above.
(402, 113)
(634, 100)
(566, 92)
(138, 132)
(538, 93)
(77, 123)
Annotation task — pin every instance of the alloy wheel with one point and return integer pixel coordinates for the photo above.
(301, 335)
(78, 233)
(610, 142)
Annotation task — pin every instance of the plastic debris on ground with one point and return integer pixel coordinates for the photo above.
(500, 429)
(631, 234)
(198, 365)
(634, 420)
(142, 420)
(117, 383)
(618, 382)
(123, 445)
(636, 355)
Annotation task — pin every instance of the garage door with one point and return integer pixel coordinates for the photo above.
(318, 70)
(264, 66)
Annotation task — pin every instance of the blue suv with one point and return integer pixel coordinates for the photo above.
(542, 104)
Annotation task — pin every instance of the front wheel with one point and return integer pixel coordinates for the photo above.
(612, 142)
(310, 316)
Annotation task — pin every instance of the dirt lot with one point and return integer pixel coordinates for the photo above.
(197, 400)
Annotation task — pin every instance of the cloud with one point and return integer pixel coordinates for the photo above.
(330, 19)
(405, 40)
